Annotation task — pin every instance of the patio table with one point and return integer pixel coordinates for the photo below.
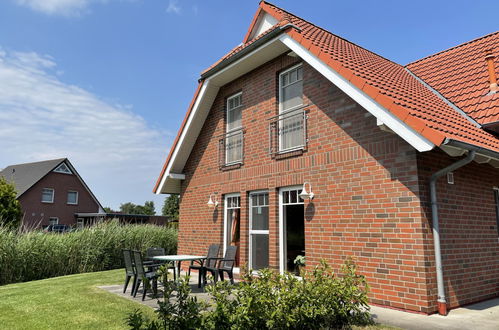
(178, 259)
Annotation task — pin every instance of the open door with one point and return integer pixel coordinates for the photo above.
(292, 228)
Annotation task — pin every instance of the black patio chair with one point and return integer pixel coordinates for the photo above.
(146, 277)
(225, 264)
(211, 261)
(129, 270)
(158, 251)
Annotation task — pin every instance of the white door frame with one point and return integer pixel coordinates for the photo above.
(226, 225)
(282, 226)
(250, 230)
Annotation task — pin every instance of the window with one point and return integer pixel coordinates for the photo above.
(291, 115)
(53, 221)
(63, 168)
(80, 223)
(47, 195)
(234, 133)
(259, 230)
(291, 89)
(73, 197)
(496, 197)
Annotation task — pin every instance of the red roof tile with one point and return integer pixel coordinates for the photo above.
(394, 87)
(376, 75)
(460, 74)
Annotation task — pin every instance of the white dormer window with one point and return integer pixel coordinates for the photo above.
(63, 168)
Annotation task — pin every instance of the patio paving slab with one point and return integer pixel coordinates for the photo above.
(483, 316)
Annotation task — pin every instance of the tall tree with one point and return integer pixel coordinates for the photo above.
(170, 207)
(10, 208)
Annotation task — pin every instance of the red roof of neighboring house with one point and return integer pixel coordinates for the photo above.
(460, 74)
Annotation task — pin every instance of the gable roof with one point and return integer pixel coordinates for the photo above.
(460, 74)
(390, 91)
(26, 175)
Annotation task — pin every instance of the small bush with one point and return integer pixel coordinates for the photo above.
(320, 300)
(27, 256)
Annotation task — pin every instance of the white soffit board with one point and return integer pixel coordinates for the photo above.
(205, 99)
(412, 137)
(263, 23)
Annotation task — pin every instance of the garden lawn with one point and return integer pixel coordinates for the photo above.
(68, 302)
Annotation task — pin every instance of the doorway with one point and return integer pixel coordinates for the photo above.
(232, 217)
(291, 228)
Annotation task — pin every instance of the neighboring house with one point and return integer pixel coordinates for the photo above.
(295, 106)
(51, 192)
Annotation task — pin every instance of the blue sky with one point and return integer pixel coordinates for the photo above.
(106, 82)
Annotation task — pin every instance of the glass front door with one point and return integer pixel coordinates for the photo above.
(259, 230)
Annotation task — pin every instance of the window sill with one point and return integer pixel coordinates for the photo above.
(289, 153)
(71, 203)
(48, 202)
(232, 166)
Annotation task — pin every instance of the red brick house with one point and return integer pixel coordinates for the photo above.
(51, 192)
(402, 162)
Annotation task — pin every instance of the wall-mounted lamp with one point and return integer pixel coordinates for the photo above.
(307, 194)
(212, 202)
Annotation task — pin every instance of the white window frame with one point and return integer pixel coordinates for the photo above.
(53, 218)
(256, 232)
(282, 112)
(67, 197)
(227, 130)
(58, 170)
(226, 225)
(282, 225)
(80, 223)
(53, 195)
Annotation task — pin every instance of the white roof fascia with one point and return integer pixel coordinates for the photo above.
(166, 174)
(412, 137)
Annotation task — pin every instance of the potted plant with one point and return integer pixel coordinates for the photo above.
(300, 263)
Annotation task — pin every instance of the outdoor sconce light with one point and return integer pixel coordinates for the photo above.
(304, 193)
(212, 202)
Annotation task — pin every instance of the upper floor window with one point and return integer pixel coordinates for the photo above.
(63, 168)
(291, 89)
(234, 134)
(496, 197)
(47, 195)
(291, 128)
(72, 197)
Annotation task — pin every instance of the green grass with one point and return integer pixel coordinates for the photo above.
(68, 302)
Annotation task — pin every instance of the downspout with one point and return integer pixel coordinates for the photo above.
(441, 301)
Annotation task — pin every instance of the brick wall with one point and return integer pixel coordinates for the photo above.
(37, 214)
(365, 180)
(468, 227)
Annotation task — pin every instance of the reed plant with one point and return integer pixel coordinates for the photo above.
(34, 255)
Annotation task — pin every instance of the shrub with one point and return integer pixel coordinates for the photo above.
(320, 300)
(10, 208)
(27, 256)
